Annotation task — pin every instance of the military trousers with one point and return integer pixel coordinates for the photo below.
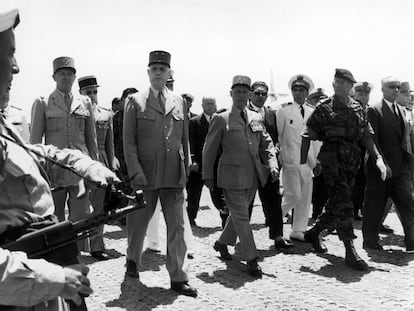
(238, 223)
(97, 198)
(172, 200)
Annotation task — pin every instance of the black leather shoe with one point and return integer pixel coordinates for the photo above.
(183, 288)
(222, 249)
(282, 243)
(352, 258)
(100, 255)
(313, 237)
(131, 269)
(372, 245)
(254, 269)
(385, 229)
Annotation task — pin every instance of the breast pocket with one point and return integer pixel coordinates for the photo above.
(101, 129)
(145, 122)
(80, 121)
(55, 121)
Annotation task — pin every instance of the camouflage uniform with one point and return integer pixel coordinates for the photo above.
(340, 128)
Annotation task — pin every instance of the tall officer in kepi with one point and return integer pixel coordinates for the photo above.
(88, 86)
(156, 155)
(66, 120)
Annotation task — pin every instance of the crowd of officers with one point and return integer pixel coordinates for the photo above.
(343, 155)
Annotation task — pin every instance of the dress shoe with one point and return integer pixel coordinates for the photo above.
(131, 269)
(385, 229)
(183, 288)
(313, 236)
(190, 254)
(100, 255)
(222, 249)
(352, 258)
(282, 243)
(254, 269)
(368, 244)
(410, 249)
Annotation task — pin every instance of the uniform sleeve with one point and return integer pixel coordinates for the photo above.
(130, 138)
(109, 142)
(212, 145)
(38, 121)
(280, 122)
(28, 282)
(192, 132)
(185, 139)
(267, 149)
(90, 133)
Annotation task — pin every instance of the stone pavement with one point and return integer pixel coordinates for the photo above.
(296, 280)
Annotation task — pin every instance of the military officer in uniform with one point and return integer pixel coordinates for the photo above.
(296, 178)
(156, 155)
(25, 195)
(340, 123)
(16, 117)
(66, 120)
(315, 96)
(248, 156)
(88, 86)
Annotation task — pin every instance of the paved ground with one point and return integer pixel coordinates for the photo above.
(298, 280)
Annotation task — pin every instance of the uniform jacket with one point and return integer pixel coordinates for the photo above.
(105, 136)
(64, 128)
(156, 141)
(24, 185)
(198, 128)
(248, 151)
(392, 143)
(290, 125)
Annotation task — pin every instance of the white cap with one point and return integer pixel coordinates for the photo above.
(9, 19)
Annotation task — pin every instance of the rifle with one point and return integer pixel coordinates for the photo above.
(57, 243)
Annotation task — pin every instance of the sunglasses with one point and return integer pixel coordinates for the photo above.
(394, 87)
(91, 92)
(163, 69)
(260, 94)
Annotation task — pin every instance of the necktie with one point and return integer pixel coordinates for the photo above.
(302, 111)
(397, 115)
(161, 100)
(242, 116)
(67, 100)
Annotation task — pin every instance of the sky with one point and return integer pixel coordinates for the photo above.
(211, 41)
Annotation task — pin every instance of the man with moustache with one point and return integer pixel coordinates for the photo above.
(248, 156)
(156, 155)
(269, 194)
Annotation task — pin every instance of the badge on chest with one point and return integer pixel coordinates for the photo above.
(256, 126)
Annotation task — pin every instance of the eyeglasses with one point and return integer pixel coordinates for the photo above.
(91, 92)
(394, 87)
(260, 94)
(163, 69)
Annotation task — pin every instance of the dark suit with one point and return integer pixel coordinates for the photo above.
(390, 138)
(270, 193)
(198, 128)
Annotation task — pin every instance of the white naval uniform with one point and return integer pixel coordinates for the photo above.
(296, 179)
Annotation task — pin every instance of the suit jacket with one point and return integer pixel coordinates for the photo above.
(156, 141)
(62, 127)
(248, 151)
(198, 128)
(391, 140)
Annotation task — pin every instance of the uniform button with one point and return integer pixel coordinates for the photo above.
(168, 149)
(69, 134)
(250, 142)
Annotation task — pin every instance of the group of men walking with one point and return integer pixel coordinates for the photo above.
(234, 153)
